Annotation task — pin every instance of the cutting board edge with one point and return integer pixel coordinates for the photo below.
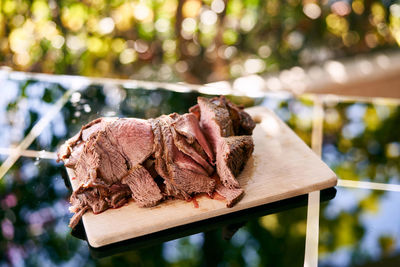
(102, 240)
(106, 240)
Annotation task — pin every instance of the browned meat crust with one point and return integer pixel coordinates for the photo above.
(172, 156)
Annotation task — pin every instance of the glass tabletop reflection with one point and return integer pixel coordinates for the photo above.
(358, 226)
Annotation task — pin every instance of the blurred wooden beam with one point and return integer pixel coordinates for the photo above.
(372, 75)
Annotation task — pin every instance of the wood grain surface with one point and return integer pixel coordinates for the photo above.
(282, 166)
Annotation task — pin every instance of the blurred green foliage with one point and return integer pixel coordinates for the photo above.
(361, 142)
(189, 40)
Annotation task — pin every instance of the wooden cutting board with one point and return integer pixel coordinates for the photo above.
(282, 166)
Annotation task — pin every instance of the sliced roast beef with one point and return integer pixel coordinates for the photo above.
(144, 190)
(133, 138)
(74, 156)
(87, 165)
(232, 196)
(66, 149)
(191, 182)
(120, 194)
(214, 121)
(86, 199)
(185, 162)
(92, 128)
(181, 143)
(188, 126)
(158, 151)
(161, 163)
(113, 165)
(170, 156)
(181, 181)
(243, 124)
(232, 152)
(237, 150)
(97, 197)
(195, 110)
(173, 190)
(102, 160)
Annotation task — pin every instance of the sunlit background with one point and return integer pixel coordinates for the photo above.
(190, 40)
(302, 42)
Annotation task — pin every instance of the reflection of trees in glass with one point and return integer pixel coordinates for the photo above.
(23, 103)
(361, 142)
(189, 40)
(359, 226)
(34, 215)
(111, 100)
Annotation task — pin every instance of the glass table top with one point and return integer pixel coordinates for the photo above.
(360, 142)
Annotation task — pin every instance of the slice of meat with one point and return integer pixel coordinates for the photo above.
(112, 166)
(87, 165)
(188, 126)
(99, 205)
(197, 147)
(236, 151)
(216, 124)
(133, 138)
(242, 122)
(192, 182)
(214, 121)
(185, 162)
(92, 128)
(102, 162)
(120, 194)
(158, 150)
(160, 163)
(172, 184)
(144, 190)
(73, 159)
(180, 181)
(77, 216)
(172, 190)
(87, 198)
(97, 197)
(232, 196)
(233, 153)
(195, 110)
(189, 150)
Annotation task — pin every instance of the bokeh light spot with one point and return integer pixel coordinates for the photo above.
(106, 25)
(127, 56)
(341, 8)
(208, 17)
(218, 6)
(312, 10)
(191, 8)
